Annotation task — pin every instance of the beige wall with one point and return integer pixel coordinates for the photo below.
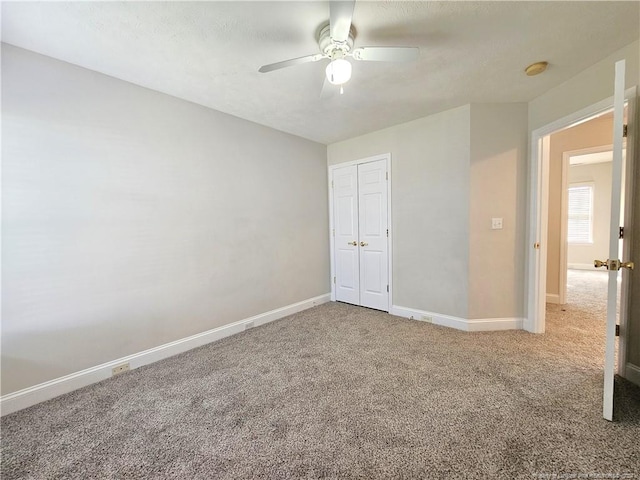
(430, 207)
(597, 132)
(599, 174)
(132, 219)
(451, 173)
(497, 189)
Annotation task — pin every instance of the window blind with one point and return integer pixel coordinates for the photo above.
(580, 214)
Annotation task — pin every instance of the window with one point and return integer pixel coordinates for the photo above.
(580, 213)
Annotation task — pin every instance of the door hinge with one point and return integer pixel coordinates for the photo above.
(334, 280)
(387, 288)
(387, 232)
(624, 131)
(331, 183)
(617, 330)
(334, 232)
(621, 233)
(386, 175)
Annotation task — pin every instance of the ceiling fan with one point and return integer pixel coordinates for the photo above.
(336, 43)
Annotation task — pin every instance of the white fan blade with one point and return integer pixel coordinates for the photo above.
(290, 63)
(340, 14)
(386, 54)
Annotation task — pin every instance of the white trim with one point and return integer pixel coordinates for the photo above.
(564, 229)
(332, 238)
(589, 150)
(494, 324)
(330, 169)
(390, 236)
(471, 325)
(581, 266)
(553, 298)
(45, 391)
(633, 373)
(435, 318)
(536, 251)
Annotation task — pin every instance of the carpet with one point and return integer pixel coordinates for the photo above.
(339, 391)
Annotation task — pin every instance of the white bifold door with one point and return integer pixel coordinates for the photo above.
(361, 233)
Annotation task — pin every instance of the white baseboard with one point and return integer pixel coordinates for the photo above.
(435, 318)
(493, 324)
(553, 298)
(45, 391)
(632, 373)
(581, 266)
(472, 325)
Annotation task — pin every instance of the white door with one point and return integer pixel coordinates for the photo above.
(613, 264)
(372, 221)
(360, 222)
(345, 222)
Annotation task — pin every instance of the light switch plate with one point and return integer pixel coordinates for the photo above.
(496, 223)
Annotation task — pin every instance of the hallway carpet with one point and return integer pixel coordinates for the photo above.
(339, 391)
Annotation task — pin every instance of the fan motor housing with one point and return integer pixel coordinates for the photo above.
(329, 47)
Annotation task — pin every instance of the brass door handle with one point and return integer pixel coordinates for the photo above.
(354, 243)
(363, 244)
(613, 265)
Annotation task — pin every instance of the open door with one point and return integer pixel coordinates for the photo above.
(613, 264)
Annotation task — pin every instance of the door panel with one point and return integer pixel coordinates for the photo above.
(347, 275)
(616, 191)
(346, 211)
(371, 205)
(373, 241)
(372, 266)
(347, 261)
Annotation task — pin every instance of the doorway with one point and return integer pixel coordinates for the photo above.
(586, 220)
(360, 215)
(579, 210)
(540, 214)
(579, 226)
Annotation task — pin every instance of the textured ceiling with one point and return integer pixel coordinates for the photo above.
(210, 52)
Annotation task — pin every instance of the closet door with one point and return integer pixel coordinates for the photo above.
(346, 247)
(373, 239)
(361, 246)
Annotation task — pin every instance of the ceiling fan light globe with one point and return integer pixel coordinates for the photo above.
(338, 71)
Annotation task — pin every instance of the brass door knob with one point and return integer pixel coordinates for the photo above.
(354, 243)
(613, 265)
(363, 244)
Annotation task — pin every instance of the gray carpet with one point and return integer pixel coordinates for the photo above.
(344, 392)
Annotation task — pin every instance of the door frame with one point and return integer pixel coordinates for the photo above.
(564, 213)
(538, 210)
(331, 168)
